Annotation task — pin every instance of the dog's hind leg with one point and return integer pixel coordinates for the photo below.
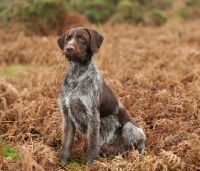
(133, 136)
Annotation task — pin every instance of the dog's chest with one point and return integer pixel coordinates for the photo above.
(84, 90)
(80, 97)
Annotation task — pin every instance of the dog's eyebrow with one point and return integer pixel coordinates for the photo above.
(75, 33)
(71, 33)
(81, 35)
(69, 36)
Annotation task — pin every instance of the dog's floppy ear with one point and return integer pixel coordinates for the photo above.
(96, 40)
(61, 40)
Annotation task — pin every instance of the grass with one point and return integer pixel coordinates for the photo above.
(8, 151)
(73, 165)
(11, 70)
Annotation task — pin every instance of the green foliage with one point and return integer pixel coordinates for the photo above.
(98, 10)
(193, 3)
(35, 13)
(41, 14)
(158, 17)
(129, 10)
(183, 13)
(191, 10)
(8, 150)
(2, 7)
(153, 4)
(163, 4)
(4, 4)
(137, 10)
(76, 5)
(95, 10)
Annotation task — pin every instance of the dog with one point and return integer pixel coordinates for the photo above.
(88, 105)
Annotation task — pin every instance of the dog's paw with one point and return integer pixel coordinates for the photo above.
(90, 161)
(63, 161)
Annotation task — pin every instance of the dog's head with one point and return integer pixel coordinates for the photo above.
(79, 44)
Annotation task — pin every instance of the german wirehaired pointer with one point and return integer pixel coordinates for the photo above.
(88, 105)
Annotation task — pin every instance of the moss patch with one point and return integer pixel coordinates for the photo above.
(8, 151)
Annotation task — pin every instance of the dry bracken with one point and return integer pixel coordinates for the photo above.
(154, 71)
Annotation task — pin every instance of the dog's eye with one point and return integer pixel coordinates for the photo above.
(68, 38)
(81, 38)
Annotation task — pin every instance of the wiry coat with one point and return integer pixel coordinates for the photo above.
(88, 105)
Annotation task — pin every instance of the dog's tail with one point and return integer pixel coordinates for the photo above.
(134, 136)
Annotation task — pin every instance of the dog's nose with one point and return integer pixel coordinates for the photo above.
(70, 48)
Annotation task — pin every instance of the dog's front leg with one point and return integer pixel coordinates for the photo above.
(68, 139)
(93, 138)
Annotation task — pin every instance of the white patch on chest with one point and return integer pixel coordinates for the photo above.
(83, 90)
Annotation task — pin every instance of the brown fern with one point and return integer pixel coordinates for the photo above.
(1, 158)
(173, 161)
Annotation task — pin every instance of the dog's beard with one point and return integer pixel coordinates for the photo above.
(76, 58)
(71, 56)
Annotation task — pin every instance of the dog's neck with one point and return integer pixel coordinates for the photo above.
(76, 69)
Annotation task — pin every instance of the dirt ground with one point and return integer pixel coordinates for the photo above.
(154, 71)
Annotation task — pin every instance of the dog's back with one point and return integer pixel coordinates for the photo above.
(118, 131)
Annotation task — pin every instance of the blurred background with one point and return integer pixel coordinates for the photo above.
(46, 17)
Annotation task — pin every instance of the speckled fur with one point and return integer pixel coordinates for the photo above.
(88, 105)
